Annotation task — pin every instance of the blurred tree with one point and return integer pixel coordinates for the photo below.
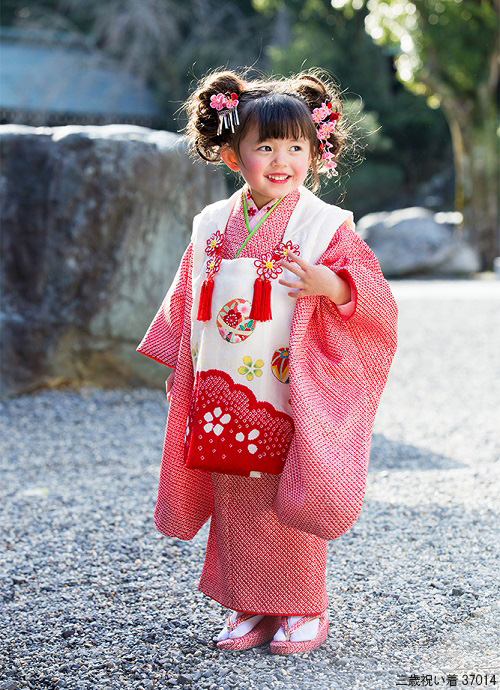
(447, 50)
(415, 142)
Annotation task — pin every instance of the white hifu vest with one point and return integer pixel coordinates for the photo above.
(240, 421)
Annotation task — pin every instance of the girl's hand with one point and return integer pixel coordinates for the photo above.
(315, 279)
(169, 383)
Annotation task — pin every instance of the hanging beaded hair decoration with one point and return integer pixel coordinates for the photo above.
(226, 106)
(325, 119)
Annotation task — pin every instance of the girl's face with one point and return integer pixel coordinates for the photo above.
(271, 168)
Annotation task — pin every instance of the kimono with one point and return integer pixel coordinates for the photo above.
(267, 544)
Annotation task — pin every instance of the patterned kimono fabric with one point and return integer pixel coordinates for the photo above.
(267, 544)
(253, 563)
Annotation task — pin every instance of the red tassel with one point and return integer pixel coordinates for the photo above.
(261, 303)
(265, 305)
(205, 305)
(257, 292)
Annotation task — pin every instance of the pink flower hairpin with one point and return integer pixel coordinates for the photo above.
(325, 119)
(226, 106)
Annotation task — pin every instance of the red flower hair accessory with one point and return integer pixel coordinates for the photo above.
(325, 119)
(226, 106)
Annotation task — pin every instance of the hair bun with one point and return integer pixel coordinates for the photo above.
(222, 82)
(312, 89)
(203, 120)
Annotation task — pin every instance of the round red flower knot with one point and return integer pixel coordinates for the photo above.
(281, 251)
(267, 266)
(214, 243)
(213, 264)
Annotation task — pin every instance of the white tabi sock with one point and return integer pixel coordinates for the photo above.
(241, 629)
(308, 631)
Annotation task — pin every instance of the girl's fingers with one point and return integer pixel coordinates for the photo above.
(294, 269)
(291, 283)
(303, 264)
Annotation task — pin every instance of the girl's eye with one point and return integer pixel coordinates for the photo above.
(266, 147)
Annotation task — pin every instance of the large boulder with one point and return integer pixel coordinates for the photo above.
(414, 240)
(94, 223)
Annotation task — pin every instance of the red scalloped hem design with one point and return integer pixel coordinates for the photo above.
(230, 431)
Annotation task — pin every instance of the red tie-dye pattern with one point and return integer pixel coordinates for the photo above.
(267, 545)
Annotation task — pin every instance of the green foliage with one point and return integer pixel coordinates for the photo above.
(397, 130)
(439, 44)
(448, 50)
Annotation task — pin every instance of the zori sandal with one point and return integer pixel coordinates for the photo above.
(264, 630)
(288, 646)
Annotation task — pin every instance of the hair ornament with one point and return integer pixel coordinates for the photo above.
(227, 110)
(325, 119)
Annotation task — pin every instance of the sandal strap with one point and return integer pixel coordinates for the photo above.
(290, 629)
(231, 625)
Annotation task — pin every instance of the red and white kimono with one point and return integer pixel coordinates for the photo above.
(267, 545)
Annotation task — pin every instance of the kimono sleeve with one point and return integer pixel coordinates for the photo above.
(328, 259)
(338, 369)
(162, 339)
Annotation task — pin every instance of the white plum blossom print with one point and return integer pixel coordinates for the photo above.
(252, 448)
(214, 422)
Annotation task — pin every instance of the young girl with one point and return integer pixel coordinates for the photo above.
(281, 329)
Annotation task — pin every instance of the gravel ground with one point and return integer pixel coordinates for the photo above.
(94, 597)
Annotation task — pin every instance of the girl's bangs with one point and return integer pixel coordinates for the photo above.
(281, 118)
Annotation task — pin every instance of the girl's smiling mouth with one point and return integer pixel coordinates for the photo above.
(278, 177)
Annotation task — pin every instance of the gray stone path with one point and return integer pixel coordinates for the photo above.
(92, 596)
